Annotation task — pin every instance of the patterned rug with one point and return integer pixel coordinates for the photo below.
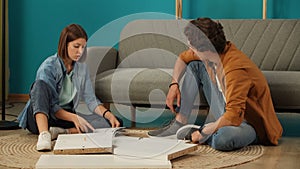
(18, 150)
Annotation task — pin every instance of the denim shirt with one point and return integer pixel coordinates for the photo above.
(52, 71)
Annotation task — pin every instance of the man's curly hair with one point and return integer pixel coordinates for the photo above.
(205, 34)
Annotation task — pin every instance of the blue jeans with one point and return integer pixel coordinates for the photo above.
(226, 138)
(40, 99)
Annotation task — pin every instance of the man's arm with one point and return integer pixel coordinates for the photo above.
(180, 65)
(178, 71)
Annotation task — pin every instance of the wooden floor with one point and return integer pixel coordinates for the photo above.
(284, 156)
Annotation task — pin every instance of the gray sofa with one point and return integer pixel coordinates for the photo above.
(139, 72)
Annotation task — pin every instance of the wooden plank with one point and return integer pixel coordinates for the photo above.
(178, 153)
(83, 143)
(83, 151)
(88, 143)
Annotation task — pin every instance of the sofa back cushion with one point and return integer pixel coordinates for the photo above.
(272, 44)
(151, 43)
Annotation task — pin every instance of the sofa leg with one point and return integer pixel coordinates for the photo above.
(133, 116)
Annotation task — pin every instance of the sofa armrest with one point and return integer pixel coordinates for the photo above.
(100, 59)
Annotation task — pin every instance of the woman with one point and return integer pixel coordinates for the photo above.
(61, 82)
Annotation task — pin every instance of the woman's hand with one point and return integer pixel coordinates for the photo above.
(173, 94)
(112, 119)
(105, 113)
(81, 124)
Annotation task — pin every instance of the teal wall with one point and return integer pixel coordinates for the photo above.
(35, 25)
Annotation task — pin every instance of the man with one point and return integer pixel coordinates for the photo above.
(241, 108)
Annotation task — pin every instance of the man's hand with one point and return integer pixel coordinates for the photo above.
(211, 128)
(208, 130)
(173, 94)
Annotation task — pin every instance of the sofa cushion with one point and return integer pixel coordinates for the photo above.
(133, 85)
(285, 88)
(138, 35)
(149, 58)
(136, 86)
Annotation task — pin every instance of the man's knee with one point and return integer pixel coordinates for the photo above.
(196, 64)
(222, 143)
(197, 68)
(230, 138)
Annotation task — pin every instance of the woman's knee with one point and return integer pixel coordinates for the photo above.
(40, 90)
(41, 97)
(39, 86)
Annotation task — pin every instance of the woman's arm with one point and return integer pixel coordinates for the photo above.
(93, 102)
(80, 123)
(88, 92)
